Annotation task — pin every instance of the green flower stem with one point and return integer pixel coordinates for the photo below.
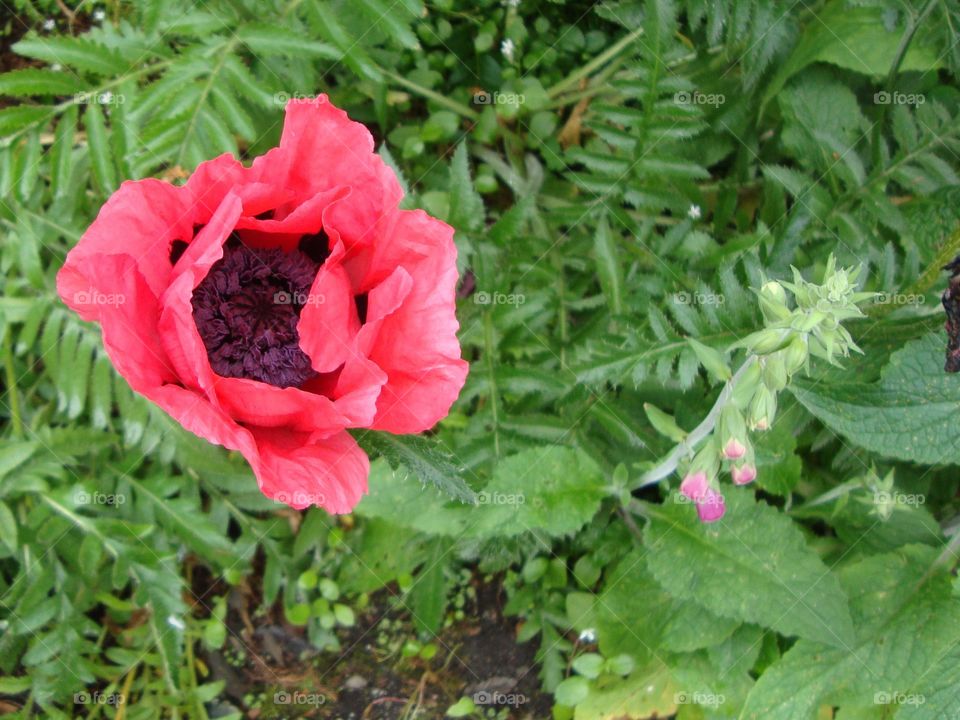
(447, 102)
(833, 494)
(602, 59)
(669, 464)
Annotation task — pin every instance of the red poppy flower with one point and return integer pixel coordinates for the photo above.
(268, 308)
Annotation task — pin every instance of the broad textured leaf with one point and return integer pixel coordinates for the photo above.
(429, 594)
(754, 565)
(649, 692)
(905, 618)
(910, 414)
(554, 490)
(940, 691)
(852, 37)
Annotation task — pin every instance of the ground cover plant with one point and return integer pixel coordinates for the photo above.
(702, 464)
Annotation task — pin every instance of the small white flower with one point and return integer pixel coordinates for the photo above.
(56, 67)
(99, 15)
(694, 212)
(176, 622)
(106, 97)
(507, 47)
(588, 636)
(49, 24)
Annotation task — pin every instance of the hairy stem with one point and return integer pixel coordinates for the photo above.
(667, 466)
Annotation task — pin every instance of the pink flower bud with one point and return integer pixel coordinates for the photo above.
(694, 485)
(734, 449)
(743, 474)
(710, 507)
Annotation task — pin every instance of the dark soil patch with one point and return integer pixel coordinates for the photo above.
(271, 670)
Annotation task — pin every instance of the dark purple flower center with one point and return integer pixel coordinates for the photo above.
(247, 309)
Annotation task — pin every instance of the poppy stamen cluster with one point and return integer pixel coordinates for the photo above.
(247, 309)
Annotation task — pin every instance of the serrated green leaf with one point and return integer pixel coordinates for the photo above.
(36, 81)
(393, 19)
(18, 117)
(425, 460)
(609, 266)
(278, 40)
(8, 528)
(101, 156)
(466, 205)
(78, 52)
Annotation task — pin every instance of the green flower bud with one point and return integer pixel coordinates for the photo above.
(775, 371)
(795, 355)
(732, 433)
(773, 302)
(763, 409)
(767, 341)
(773, 291)
(747, 384)
(805, 322)
(707, 460)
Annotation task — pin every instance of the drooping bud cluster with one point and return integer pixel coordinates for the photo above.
(774, 355)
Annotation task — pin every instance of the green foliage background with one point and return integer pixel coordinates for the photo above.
(619, 174)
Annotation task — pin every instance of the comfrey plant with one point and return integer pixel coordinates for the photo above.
(748, 402)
